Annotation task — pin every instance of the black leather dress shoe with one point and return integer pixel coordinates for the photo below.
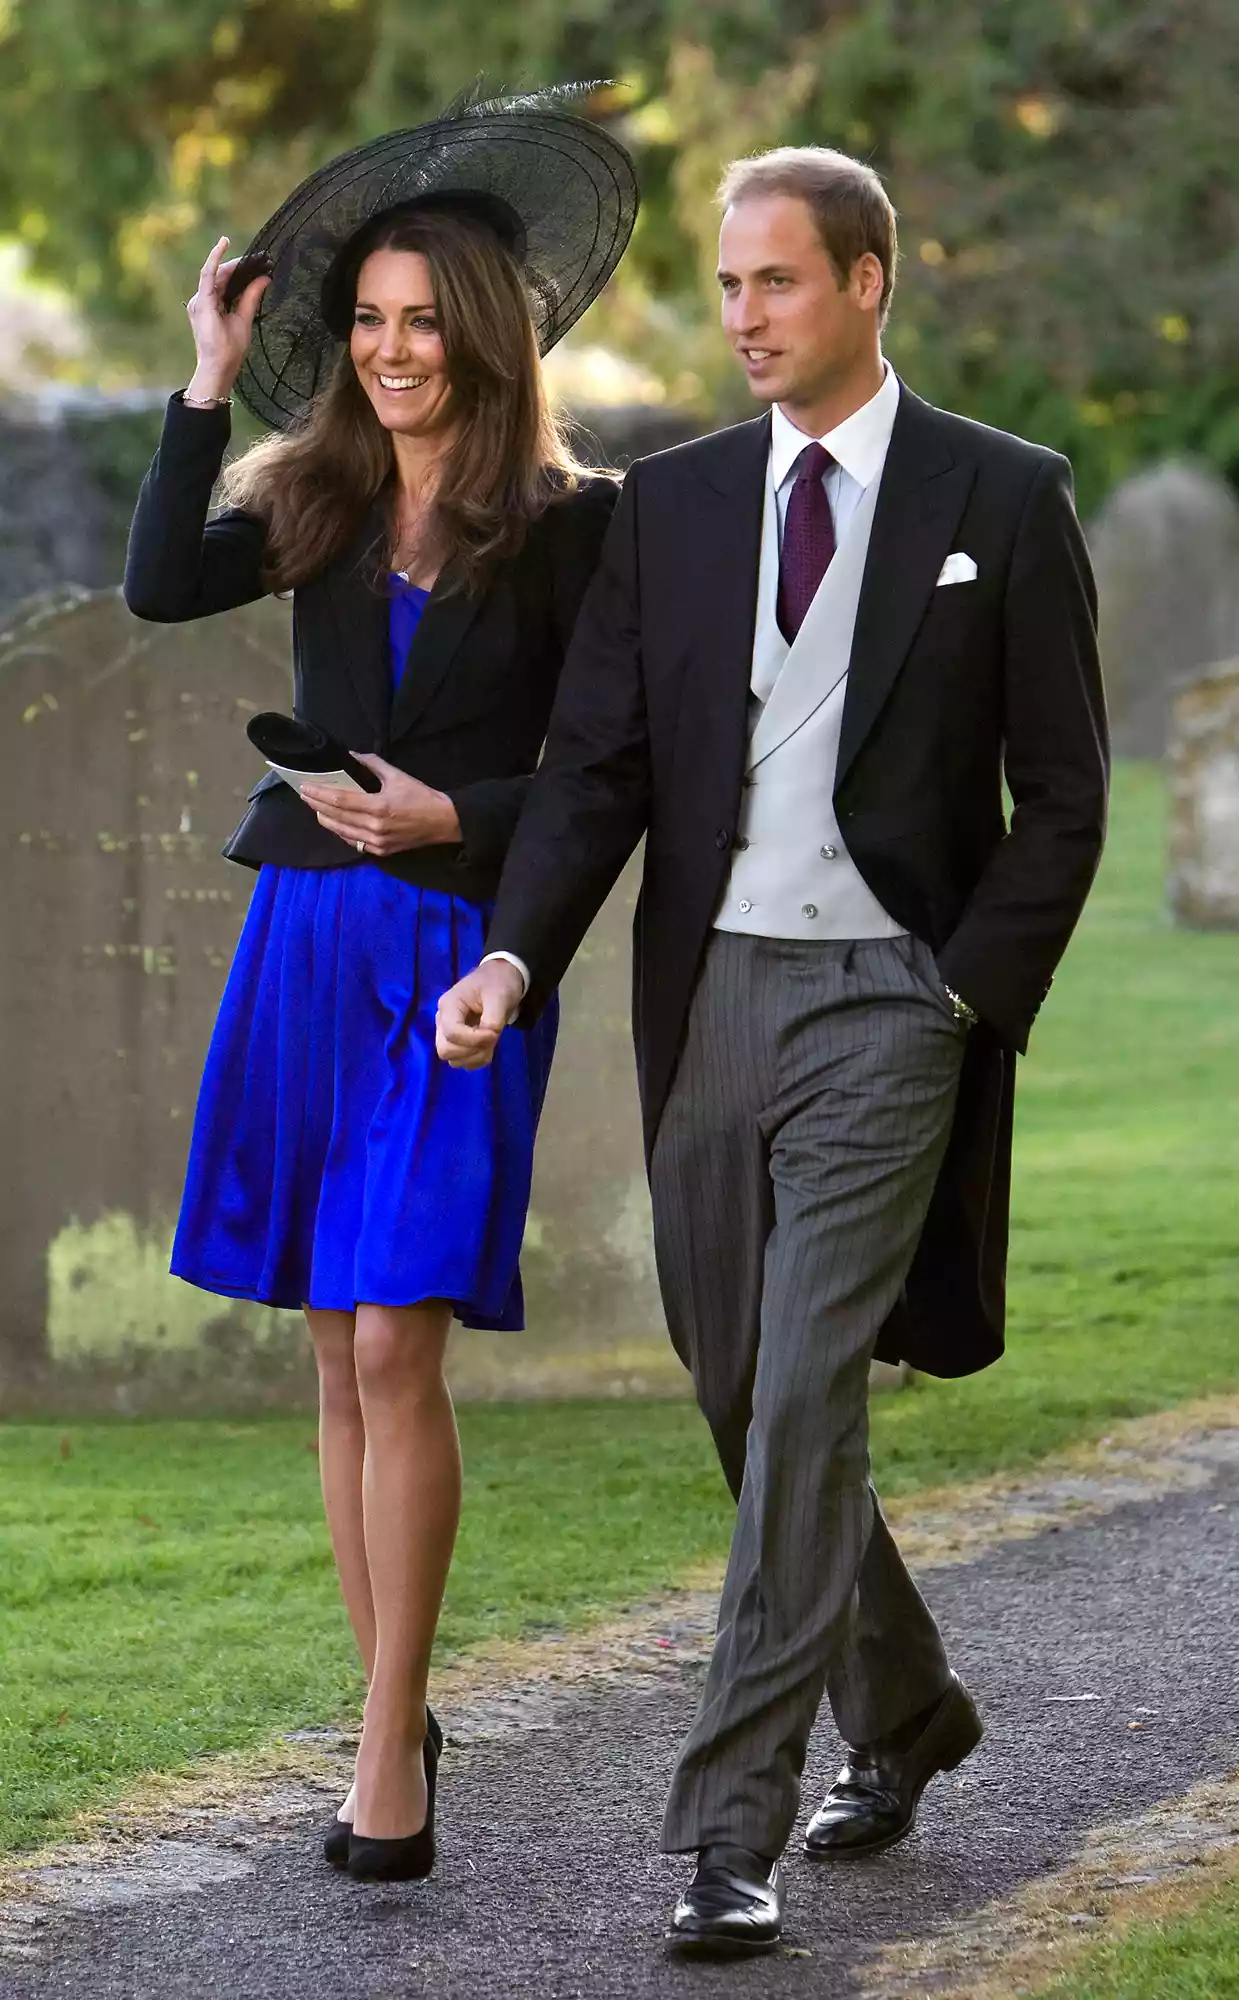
(873, 1801)
(337, 1836)
(730, 1908)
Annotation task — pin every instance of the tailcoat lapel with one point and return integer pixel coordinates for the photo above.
(920, 501)
(727, 528)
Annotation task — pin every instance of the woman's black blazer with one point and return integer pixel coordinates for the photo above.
(471, 711)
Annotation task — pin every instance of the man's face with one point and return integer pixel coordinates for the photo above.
(798, 334)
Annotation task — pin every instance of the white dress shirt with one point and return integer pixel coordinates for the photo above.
(858, 447)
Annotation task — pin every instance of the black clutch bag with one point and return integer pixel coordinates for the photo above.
(299, 749)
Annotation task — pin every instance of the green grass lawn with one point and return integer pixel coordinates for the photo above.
(1188, 1958)
(166, 1589)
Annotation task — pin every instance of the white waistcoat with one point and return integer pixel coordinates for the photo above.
(791, 875)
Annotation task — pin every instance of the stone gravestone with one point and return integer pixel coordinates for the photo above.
(1166, 551)
(1204, 801)
(123, 765)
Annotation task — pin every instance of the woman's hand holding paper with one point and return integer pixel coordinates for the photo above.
(405, 814)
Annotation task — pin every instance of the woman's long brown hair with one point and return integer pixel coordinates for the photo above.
(313, 487)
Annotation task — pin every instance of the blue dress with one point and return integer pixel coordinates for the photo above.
(335, 1159)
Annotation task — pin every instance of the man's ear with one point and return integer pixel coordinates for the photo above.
(867, 281)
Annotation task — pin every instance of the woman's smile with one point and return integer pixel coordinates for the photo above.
(397, 343)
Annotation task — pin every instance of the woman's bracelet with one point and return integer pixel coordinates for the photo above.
(205, 402)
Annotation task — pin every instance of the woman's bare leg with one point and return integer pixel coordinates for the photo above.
(411, 1504)
(341, 1456)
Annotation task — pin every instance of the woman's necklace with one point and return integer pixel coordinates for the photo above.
(410, 550)
(404, 554)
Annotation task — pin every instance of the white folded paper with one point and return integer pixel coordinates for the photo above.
(297, 779)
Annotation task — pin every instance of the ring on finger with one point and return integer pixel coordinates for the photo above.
(361, 846)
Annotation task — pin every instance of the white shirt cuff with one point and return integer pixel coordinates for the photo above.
(510, 958)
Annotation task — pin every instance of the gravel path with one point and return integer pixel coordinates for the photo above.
(1103, 1655)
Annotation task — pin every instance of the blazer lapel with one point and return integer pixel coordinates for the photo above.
(920, 500)
(436, 642)
(359, 608)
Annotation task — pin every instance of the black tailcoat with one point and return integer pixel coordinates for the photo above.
(949, 690)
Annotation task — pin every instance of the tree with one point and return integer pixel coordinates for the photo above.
(1065, 172)
(1068, 188)
(129, 131)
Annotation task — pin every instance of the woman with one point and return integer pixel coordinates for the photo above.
(437, 537)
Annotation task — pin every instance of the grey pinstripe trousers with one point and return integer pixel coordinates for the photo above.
(791, 1176)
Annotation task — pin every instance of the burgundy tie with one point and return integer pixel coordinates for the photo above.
(808, 539)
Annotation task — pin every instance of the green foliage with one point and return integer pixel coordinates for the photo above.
(125, 129)
(1065, 171)
(1068, 190)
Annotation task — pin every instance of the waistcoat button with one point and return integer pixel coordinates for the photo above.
(722, 839)
(829, 853)
(741, 842)
(808, 909)
(745, 907)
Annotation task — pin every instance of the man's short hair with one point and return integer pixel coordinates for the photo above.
(848, 202)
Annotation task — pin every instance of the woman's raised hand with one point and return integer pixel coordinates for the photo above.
(222, 338)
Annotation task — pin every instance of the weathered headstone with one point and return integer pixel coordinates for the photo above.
(1204, 801)
(1166, 551)
(123, 765)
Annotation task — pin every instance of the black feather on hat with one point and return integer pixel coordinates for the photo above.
(559, 192)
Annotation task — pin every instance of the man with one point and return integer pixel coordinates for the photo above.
(815, 645)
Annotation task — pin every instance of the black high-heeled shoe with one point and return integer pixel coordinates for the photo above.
(408, 1860)
(340, 1832)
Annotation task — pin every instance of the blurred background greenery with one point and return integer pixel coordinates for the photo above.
(1065, 171)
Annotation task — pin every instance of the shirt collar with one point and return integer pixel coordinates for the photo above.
(859, 444)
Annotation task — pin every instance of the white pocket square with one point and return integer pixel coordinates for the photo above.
(958, 568)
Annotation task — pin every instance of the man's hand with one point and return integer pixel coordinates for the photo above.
(474, 1013)
(403, 815)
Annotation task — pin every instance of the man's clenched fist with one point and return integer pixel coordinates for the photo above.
(474, 1013)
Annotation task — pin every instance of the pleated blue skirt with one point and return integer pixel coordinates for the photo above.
(335, 1160)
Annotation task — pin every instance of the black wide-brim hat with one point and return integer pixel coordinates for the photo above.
(559, 191)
